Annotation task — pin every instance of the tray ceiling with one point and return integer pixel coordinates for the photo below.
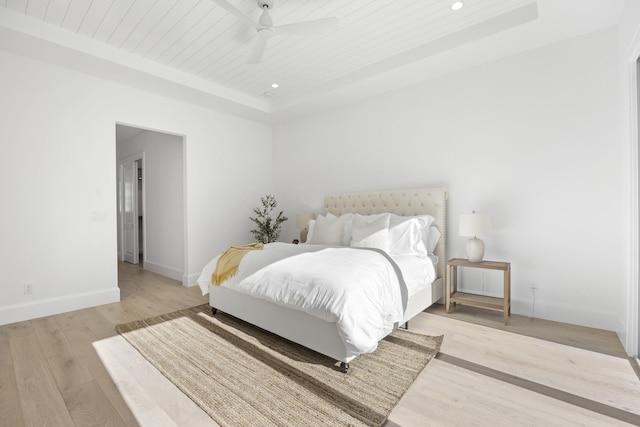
(199, 42)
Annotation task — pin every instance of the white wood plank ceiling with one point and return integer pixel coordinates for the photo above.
(202, 39)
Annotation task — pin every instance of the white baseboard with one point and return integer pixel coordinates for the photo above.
(189, 280)
(47, 307)
(163, 270)
(572, 314)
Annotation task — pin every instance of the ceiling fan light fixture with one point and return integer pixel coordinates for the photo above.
(457, 5)
(265, 19)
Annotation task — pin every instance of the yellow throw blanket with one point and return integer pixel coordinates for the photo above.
(230, 260)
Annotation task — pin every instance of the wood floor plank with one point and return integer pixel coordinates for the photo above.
(145, 408)
(40, 400)
(93, 320)
(19, 329)
(134, 367)
(157, 294)
(63, 358)
(601, 341)
(116, 313)
(158, 289)
(601, 408)
(10, 408)
(83, 341)
(446, 395)
(587, 374)
(50, 336)
(87, 408)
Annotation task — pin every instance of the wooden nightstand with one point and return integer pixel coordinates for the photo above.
(453, 296)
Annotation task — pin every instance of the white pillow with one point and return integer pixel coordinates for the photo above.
(348, 226)
(346, 235)
(432, 238)
(426, 222)
(328, 231)
(406, 238)
(370, 231)
(311, 225)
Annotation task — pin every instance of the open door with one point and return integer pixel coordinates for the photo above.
(130, 211)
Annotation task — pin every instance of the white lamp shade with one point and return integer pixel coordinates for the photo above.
(302, 219)
(474, 224)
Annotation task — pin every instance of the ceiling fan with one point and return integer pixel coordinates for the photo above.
(265, 28)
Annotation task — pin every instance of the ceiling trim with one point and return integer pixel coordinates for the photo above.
(508, 20)
(523, 25)
(26, 36)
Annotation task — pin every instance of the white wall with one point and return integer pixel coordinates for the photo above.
(164, 199)
(58, 182)
(531, 139)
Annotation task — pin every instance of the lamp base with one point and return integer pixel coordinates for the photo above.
(303, 235)
(475, 249)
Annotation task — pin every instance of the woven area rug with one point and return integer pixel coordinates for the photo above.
(242, 375)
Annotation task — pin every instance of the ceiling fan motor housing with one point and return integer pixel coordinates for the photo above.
(265, 4)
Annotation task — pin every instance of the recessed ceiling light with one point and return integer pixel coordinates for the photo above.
(275, 85)
(457, 5)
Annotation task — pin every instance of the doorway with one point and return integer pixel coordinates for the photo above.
(151, 200)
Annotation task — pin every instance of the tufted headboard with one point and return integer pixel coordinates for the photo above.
(421, 201)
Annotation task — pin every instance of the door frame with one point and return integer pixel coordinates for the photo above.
(187, 278)
(137, 157)
(632, 338)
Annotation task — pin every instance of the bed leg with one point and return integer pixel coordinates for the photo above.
(344, 367)
(214, 311)
(406, 325)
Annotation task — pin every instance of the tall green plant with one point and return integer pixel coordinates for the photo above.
(268, 229)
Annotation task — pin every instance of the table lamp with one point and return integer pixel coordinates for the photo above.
(471, 225)
(302, 221)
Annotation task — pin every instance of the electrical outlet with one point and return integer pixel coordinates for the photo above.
(28, 288)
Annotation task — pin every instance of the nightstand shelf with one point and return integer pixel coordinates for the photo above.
(452, 296)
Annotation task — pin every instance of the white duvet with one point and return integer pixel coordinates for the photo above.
(358, 289)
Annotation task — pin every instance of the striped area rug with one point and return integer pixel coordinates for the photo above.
(242, 375)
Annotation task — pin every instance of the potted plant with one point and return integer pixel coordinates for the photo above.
(268, 229)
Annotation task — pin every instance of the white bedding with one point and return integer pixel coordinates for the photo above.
(365, 302)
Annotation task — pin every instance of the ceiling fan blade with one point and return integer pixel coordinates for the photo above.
(237, 12)
(317, 26)
(259, 47)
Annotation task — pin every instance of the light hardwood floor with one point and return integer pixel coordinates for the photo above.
(73, 369)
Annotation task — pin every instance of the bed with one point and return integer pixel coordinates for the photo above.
(320, 334)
